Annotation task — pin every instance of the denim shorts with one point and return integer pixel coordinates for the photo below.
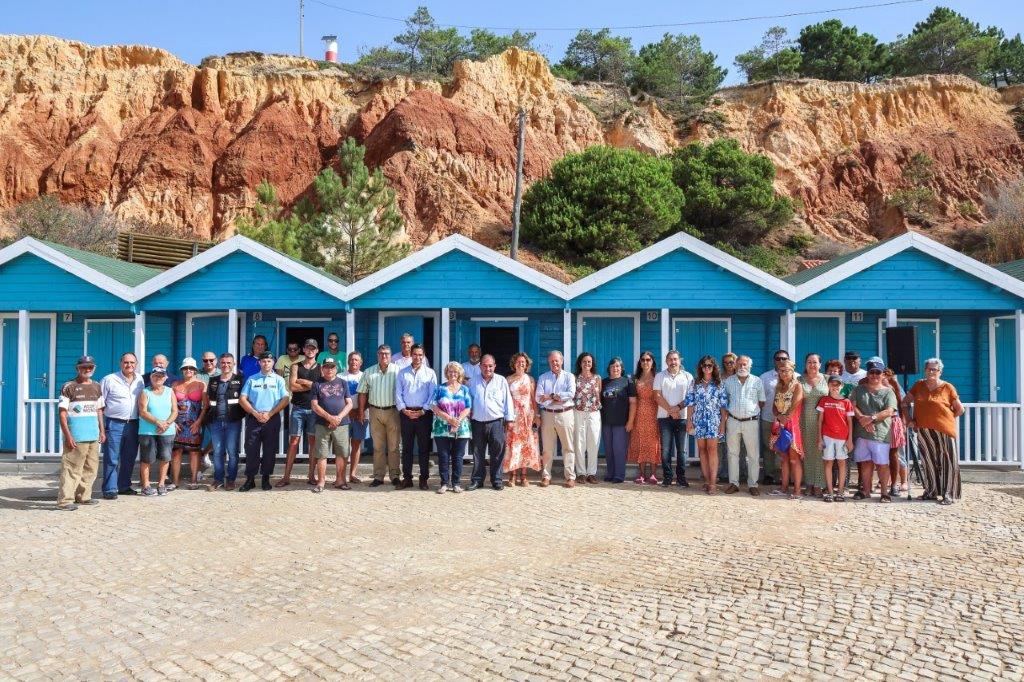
(302, 421)
(153, 448)
(835, 449)
(871, 451)
(357, 430)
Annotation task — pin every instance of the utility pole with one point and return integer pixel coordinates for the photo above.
(518, 200)
(302, 16)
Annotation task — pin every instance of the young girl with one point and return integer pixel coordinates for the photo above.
(835, 435)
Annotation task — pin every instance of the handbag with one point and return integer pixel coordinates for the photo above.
(782, 439)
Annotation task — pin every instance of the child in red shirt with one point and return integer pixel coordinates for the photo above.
(835, 435)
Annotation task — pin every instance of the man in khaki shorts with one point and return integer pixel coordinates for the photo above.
(81, 423)
(331, 403)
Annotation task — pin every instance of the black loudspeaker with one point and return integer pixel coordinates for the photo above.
(901, 348)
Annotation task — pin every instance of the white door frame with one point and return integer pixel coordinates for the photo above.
(842, 327)
(278, 321)
(85, 328)
(52, 375)
(582, 315)
(938, 333)
(434, 314)
(188, 329)
(992, 383)
(728, 324)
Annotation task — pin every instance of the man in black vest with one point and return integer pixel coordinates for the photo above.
(225, 421)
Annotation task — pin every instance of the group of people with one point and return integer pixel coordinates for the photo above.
(802, 428)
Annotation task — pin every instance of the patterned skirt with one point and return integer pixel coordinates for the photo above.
(940, 464)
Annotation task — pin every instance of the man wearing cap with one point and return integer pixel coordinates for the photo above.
(874, 404)
(263, 397)
(770, 380)
(120, 391)
(332, 403)
(302, 421)
(81, 423)
(414, 392)
(377, 390)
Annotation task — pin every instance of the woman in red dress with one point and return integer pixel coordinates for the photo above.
(644, 440)
(522, 451)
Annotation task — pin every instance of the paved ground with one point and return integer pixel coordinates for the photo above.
(593, 583)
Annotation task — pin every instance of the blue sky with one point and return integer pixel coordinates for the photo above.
(192, 30)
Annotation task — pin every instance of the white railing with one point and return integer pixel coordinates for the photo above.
(43, 437)
(990, 434)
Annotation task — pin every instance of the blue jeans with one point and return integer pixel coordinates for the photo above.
(616, 443)
(119, 454)
(672, 432)
(225, 436)
(450, 452)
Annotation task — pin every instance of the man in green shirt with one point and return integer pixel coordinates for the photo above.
(333, 351)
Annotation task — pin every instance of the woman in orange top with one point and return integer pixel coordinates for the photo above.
(936, 408)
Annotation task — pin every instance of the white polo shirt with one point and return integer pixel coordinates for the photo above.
(673, 388)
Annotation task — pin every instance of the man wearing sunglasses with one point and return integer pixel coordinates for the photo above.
(769, 380)
(209, 368)
(333, 350)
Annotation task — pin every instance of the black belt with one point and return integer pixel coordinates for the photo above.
(122, 421)
(564, 409)
(745, 419)
(378, 407)
(487, 422)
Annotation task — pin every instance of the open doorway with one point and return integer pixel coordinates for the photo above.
(300, 334)
(502, 343)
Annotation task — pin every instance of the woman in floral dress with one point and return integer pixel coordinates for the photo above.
(644, 440)
(788, 402)
(815, 386)
(705, 401)
(522, 450)
(190, 394)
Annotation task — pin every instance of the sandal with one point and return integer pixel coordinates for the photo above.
(828, 497)
(344, 486)
(885, 498)
(318, 489)
(283, 483)
(353, 479)
(858, 495)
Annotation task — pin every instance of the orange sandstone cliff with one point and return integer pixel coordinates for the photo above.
(154, 138)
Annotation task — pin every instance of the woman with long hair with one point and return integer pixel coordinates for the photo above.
(645, 440)
(786, 407)
(705, 401)
(587, 412)
(522, 450)
(815, 387)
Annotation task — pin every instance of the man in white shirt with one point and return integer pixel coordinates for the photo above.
(491, 411)
(471, 368)
(670, 387)
(746, 402)
(556, 391)
(853, 374)
(404, 358)
(414, 393)
(120, 391)
(770, 379)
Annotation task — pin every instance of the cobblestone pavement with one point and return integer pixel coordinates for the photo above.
(600, 582)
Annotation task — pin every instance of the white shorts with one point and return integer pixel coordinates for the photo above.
(834, 449)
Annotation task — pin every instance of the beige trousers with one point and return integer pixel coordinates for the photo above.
(78, 469)
(387, 438)
(561, 427)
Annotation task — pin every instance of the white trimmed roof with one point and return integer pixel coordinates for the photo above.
(687, 242)
(30, 245)
(901, 243)
(265, 254)
(457, 242)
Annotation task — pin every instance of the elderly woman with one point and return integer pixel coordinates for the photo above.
(787, 406)
(815, 387)
(451, 404)
(192, 402)
(874, 404)
(936, 407)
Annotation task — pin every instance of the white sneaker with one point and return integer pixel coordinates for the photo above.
(456, 488)
(441, 489)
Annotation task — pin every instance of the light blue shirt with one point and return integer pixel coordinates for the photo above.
(265, 391)
(744, 398)
(491, 399)
(563, 385)
(415, 387)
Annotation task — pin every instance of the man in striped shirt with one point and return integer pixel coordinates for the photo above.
(377, 391)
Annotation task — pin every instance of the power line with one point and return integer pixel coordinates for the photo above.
(704, 22)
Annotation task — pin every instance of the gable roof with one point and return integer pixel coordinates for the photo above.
(109, 274)
(1014, 268)
(687, 242)
(316, 277)
(457, 242)
(810, 273)
(850, 264)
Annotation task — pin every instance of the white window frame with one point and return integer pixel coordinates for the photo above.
(241, 330)
(382, 315)
(842, 329)
(992, 383)
(727, 320)
(938, 334)
(582, 315)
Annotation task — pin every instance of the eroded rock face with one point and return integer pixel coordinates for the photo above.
(138, 130)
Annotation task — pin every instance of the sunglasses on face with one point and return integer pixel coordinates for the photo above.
(646, 360)
(707, 366)
(332, 340)
(292, 348)
(209, 359)
(781, 358)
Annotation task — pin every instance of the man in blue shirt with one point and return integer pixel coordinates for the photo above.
(492, 410)
(414, 391)
(263, 397)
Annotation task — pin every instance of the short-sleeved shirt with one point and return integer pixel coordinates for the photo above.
(249, 365)
(264, 391)
(869, 403)
(745, 398)
(673, 388)
(121, 396)
(283, 366)
(82, 400)
(615, 395)
(339, 357)
(330, 396)
(379, 385)
(353, 379)
(834, 416)
(452, 404)
(934, 409)
(850, 380)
